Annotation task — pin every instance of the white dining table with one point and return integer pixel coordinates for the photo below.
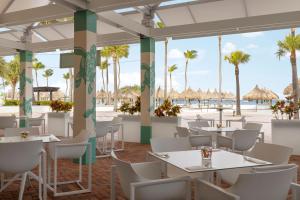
(191, 161)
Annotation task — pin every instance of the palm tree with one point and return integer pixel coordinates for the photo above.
(171, 69)
(66, 76)
(116, 53)
(104, 66)
(189, 55)
(162, 25)
(290, 45)
(37, 65)
(236, 58)
(13, 73)
(47, 74)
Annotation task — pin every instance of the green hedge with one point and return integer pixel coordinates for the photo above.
(10, 102)
(41, 103)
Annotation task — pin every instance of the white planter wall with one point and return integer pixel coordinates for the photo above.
(161, 127)
(287, 132)
(58, 123)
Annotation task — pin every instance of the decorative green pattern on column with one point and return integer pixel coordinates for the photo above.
(25, 85)
(85, 75)
(147, 87)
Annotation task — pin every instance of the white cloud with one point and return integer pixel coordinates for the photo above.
(228, 48)
(175, 54)
(252, 35)
(133, 78)
(252, 46)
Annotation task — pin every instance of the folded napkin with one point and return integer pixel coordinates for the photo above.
(162, 155)
(197, 168)
(254, 160)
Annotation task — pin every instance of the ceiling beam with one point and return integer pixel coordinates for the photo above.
(10, 44)
(7, 6)
(68, 44)
(230, 26)
(72, 4)
(124, 23)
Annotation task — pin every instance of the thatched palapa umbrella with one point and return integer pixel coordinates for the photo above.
(174, 94)
(288, 90)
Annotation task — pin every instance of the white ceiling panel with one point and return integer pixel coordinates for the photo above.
(136, 17)
(66, 30)
(103, 28)
(259, 7)
(219, 10)
(8, 36)
(18, 5)
(176, 16)
(49, 33)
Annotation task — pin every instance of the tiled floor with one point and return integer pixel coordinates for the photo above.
(101, 177)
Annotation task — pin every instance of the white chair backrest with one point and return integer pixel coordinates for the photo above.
(116, 120)
(200, 140)
(199, 116)
(272, 183)
(9, 132)
(171, 188)
(182, 131)
(166, 144)
(116, 124)
(126, 174)
(274, 153)
(198, 124)
(71, 152)
(37, 121)
(19, 157)
(244, 139)
(253, 126)
(102, 128)
(7, 122)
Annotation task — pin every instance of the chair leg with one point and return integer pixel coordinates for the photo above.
(23, 182)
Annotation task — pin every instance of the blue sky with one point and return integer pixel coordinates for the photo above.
(263, 69)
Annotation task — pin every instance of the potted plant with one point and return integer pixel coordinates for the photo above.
(164, 120)
(285, 129)
(59, 118)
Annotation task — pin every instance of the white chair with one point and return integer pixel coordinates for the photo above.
(264, 183)
(256, 126)
(241, 119)
(102, 129)
(70, 149)
(211, 120)
(143, 181)
(10, 132)
(116, 127)
(273, 153)
(240, 140)
(166, 144)
(8, 122)
(201, 140)
(19, 159)
(37, 122)
(181, 132)
(198, 124)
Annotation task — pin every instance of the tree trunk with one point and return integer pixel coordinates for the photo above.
(119, 72)
(293, 60)
(166, 69)
(107, 95)
(67, 87)
(238, 100)
(71, 84)
(103, 82)
(47, 81)
(4, 92)
(171, 81)
(185, 78)
(13, 90)
(115, 85)
(36, 80)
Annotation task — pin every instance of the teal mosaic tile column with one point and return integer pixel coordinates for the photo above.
(85, 22)
(25, 108)
(147, 87)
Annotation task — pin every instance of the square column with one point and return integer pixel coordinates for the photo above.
(25, 108)
(147, 87)
(85, 22)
